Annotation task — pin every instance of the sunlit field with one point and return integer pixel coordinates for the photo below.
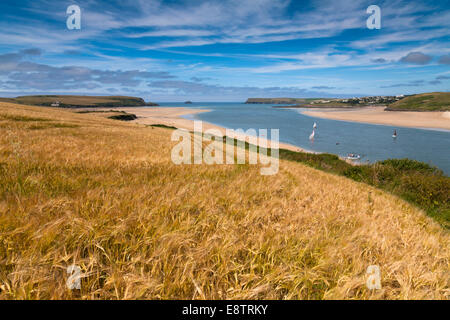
(105, 195)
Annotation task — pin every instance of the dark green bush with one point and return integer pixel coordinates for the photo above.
(410, 165)
(124, 117)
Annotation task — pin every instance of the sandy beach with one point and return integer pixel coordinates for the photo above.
(377, 115)
(172, 117)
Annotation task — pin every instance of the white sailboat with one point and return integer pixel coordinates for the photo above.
(315, 125)
(311, 137)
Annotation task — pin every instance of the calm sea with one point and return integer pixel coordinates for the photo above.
(372, 142)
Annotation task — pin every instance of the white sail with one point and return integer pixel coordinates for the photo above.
(315, 125)
(311, 137)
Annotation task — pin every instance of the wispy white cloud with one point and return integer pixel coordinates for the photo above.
(172, 33)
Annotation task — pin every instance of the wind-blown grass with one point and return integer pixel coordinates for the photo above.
(418, 183)
(106, 196)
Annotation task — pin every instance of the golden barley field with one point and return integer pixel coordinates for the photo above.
(104, 195)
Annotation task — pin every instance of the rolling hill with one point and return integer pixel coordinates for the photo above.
(435, 101)
(73, 101)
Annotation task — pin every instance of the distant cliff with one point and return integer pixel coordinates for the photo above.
(275, 101)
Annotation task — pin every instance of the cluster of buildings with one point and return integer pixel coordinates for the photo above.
(372, 100)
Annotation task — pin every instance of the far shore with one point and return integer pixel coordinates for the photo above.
(377, 115)
(172, 116)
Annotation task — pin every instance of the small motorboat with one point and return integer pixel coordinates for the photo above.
(353, 156)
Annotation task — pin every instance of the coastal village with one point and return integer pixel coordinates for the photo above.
(367, 100)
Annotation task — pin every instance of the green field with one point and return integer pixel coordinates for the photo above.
(435, 101)
(72, 101)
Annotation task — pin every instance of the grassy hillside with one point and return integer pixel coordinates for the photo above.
(67, 101)
(436, 101)
(104, 194)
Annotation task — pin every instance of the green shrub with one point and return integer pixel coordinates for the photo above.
(124, 117)
(410, 165)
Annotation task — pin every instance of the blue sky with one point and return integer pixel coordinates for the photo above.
(224, 50)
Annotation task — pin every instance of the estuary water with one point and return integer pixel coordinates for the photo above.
(372, 142)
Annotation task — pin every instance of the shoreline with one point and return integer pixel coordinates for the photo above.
(377, 115)
(173, 116)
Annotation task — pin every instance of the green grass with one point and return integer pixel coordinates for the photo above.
(436, 101)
